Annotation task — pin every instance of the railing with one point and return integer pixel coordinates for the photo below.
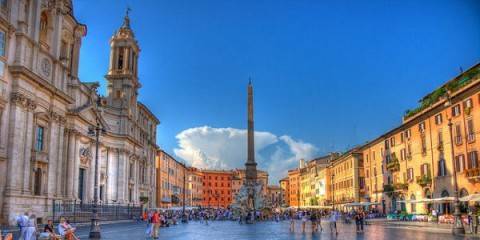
(424, 180)
(472, 173)
(393, 166)
(400, 186)
(77, 212)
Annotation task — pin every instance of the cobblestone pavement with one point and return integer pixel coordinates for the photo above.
(266, 231)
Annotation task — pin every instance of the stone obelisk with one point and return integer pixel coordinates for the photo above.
(250, 165)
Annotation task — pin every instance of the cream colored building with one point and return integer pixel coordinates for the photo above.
(46, 151)
(171, 181)
(347, 181)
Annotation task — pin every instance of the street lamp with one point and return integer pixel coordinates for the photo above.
(457, 228)
(95, 131)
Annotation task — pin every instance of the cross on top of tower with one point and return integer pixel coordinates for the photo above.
(126, 19)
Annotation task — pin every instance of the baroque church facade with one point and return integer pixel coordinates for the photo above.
(46, 151)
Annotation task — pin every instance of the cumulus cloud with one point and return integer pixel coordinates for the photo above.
(226, 148)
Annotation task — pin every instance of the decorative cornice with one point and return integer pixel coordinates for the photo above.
(23, 101)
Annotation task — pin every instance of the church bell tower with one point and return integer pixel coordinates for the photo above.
(122, 76)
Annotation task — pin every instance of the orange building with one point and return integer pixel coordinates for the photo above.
(294, 180)
(217, 188)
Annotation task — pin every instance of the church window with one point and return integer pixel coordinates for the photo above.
(37, 188)
(3, 5)
(64, 50)
(39, 143)
(2, 43)
(120, 59)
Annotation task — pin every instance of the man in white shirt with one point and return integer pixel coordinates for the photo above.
(22, 222)
(333, 221)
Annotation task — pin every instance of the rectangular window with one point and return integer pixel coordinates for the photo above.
(425, 169)
(402, 137)
(472, 160)
(456, 110)
(459, 163)
(39, 143)
(440, 140)
(403, 154)
(2, 43)
(458, 134)
(424, 144)
(410, 174)
(468, 104)
(421, 127)
(470, 130)
(392, 142)
(407, 134)
(438, 119)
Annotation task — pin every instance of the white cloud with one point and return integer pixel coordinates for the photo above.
(226, 148)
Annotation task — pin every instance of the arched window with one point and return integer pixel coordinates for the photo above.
(44, 28)
(413, 206)
(442, 169)
(37, 188)
(445, 207)
(428, 195)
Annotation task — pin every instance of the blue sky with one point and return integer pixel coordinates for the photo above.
(327, 74)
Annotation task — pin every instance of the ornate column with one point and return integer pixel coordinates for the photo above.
(30, 134)
(52, 149)
(16, 144)
(71, 145)
(75, 161)
(61, 168)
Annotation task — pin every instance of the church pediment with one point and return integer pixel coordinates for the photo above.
(89, 114)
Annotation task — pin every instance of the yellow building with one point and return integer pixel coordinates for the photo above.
(347, 181)
(171, 180)
(414, 161)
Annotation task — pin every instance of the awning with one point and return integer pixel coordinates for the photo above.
(471, 198)
(361, 204)
(429, 200)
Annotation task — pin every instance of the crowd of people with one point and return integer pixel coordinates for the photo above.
(165, 218)
(29, 229)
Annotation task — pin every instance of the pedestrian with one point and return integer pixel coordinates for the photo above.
(470, 221)
(292, 222)
(333, 221)
(22, 222)
(319, 221)
(356, 217)
(362, 220)
(148, 230)
(156, 224)
(313, 219)
(31, 228)
(475, 221)
(304, 221)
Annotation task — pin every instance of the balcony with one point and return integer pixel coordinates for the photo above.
(424, 180)
(400, 186)
(388, 188)
(394, 165)
(473, 173)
